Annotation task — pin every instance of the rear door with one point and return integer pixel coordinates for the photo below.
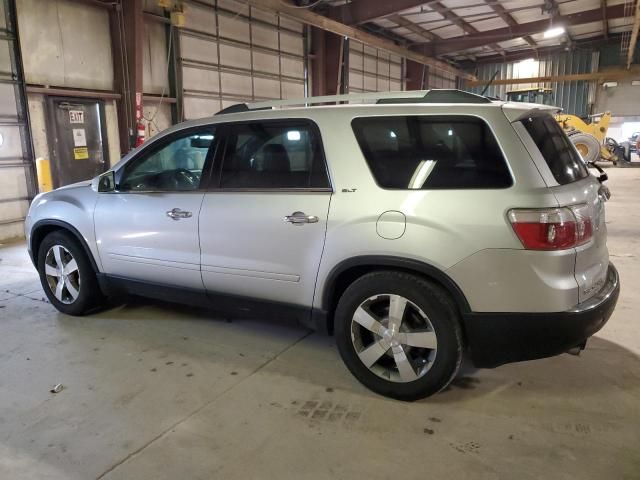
(570, 181)
(263, 222)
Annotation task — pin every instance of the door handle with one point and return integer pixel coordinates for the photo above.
(298, 218)
(177, 214)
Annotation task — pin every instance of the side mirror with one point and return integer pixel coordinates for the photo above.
(105, 182)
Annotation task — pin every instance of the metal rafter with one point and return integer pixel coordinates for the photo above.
(464, 42)
(409, 25)
(309, 17)
(453, 18)
(521, 54)
(361, 11)
(509, 20)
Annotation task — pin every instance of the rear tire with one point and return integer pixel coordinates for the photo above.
(66, 275)
(399, 334)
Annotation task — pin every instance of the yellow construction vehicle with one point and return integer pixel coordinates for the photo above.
(590, 138)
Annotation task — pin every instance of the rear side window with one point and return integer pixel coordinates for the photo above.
(431, 152)
(270, 154)
(565, 163)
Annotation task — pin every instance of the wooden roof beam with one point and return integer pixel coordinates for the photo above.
(617, 74)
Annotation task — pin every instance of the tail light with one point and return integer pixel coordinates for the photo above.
(552, 228)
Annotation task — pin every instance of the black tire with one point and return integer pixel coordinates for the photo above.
(89, 295)
(441, 313)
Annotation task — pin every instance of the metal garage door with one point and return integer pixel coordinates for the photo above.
(232, 53)
(17, 184)
(372, 70)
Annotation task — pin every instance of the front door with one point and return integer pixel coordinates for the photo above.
(148, 229)
(262, 226)
(77, 140)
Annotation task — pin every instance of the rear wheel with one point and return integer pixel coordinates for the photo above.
(67, 276)
(399, 335)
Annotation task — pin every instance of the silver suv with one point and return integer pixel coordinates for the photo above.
(413, 229)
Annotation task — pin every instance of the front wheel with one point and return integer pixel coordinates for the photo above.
(399, 334)
(67, 276)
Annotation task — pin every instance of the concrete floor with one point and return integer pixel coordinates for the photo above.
(162, 391)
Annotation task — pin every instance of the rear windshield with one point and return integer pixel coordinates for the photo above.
(431, 152)
(563, 160)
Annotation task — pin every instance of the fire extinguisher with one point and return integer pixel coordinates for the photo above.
(140, 129)
(140, 134)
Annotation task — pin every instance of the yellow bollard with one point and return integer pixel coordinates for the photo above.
(43, 170)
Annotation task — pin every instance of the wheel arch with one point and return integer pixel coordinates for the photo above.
(347, 271)
(44, 227)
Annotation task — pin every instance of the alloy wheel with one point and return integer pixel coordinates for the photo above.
(393, 338)
(62, 274)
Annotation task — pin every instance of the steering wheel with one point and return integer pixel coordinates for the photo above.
(184, 177)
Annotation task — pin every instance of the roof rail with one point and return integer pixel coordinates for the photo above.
(387, 98)
(440, 96)
(350, 97)
(237, 108)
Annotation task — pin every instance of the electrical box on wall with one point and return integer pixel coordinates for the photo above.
(178, 19)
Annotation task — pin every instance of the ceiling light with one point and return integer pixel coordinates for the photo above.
(554, 32)
(293, 135)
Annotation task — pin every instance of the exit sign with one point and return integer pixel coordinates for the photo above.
(76, 116)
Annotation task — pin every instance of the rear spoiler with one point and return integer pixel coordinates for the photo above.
(519, 111)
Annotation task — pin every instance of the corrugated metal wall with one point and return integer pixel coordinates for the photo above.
(574, 97)
(156, 114)
(440, 79)
(16, 167)
(232, 53)
(372, 70)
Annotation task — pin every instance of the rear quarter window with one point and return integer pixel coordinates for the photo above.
(431, 152)
(563, 160)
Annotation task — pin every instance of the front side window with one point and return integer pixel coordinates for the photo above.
(268, 155)
(431, 152)
(173, 166)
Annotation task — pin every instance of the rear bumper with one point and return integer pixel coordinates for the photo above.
(498, 338)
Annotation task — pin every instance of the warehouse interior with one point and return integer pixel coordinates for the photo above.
(148, 389)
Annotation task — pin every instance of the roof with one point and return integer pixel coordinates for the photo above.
(475, 30)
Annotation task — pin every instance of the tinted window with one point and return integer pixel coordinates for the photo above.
(173, 166)
(273, 155)
(431, 152)
(563, 160)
